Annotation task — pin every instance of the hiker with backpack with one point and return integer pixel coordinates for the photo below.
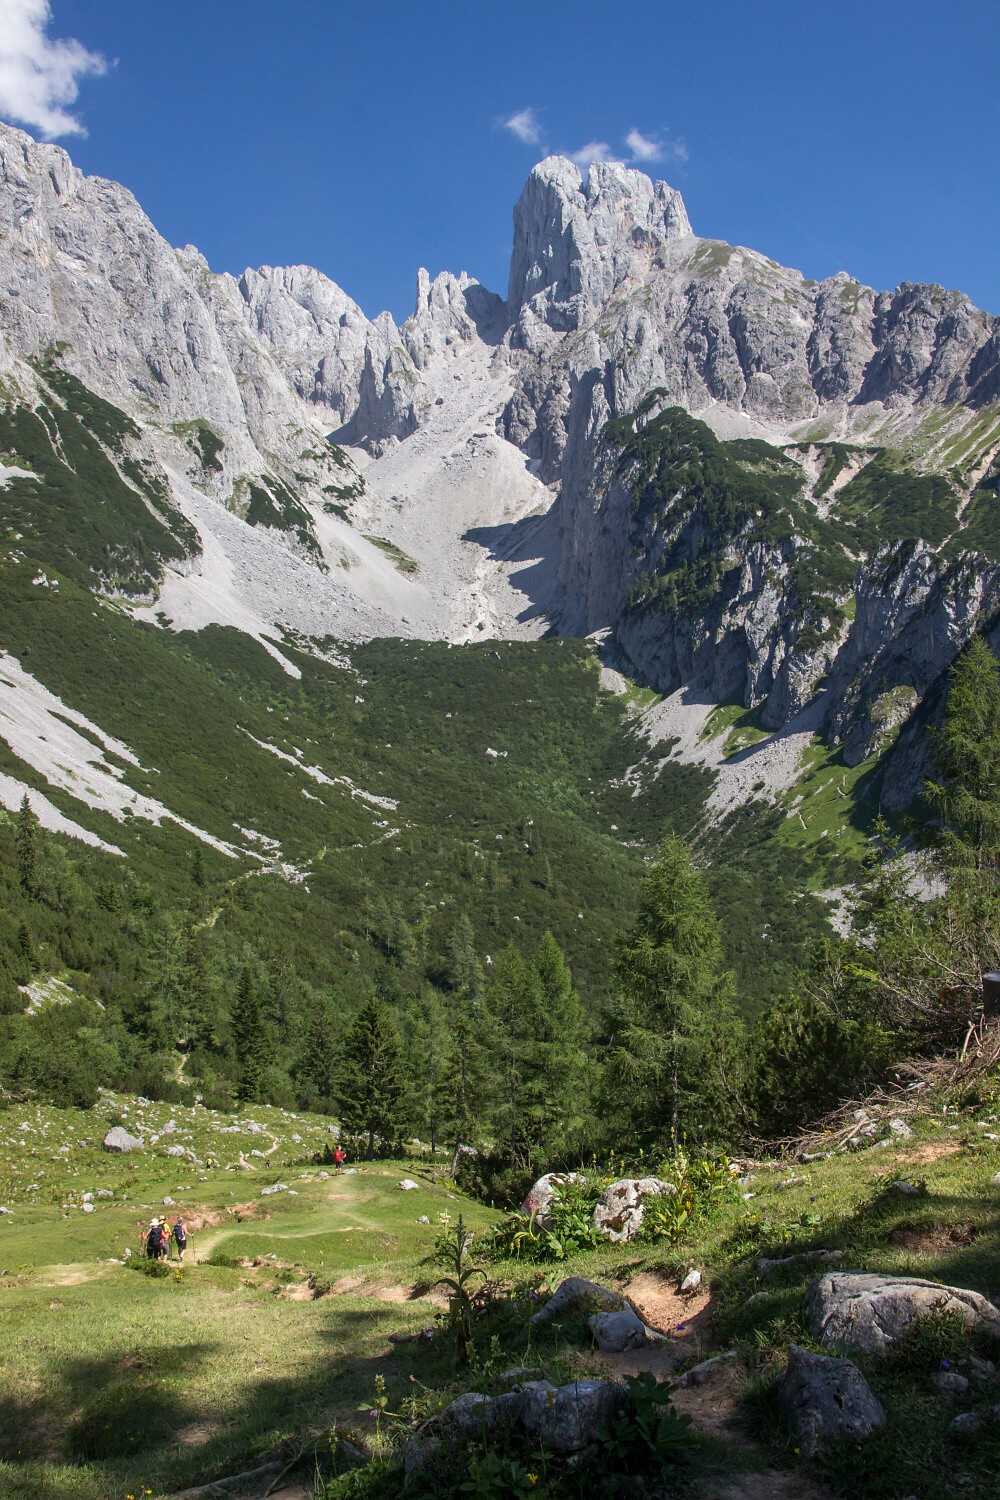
(339, 1157)
(180, 1239)
(156, 1241)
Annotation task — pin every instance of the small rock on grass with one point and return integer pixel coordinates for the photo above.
(702, 1373)
(949, 1383)
(614, 1332)
(692, 1281)
(408, 1185)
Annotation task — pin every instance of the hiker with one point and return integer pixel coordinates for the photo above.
(180, 1239)
(338, 1159)
(155, 1244)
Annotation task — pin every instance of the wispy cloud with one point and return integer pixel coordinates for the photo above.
(643, 147)
(525, 125)
(591, 152)
(40, 76)
(647, 148)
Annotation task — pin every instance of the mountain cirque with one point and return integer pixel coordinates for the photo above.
(458, 477)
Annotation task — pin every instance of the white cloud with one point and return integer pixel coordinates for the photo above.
(525, 125)
(591, 152)
(645, 148)
(642, 147)
(39, 76)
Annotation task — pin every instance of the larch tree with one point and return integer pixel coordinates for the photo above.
(669, 972)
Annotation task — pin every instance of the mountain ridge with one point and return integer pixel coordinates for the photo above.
(473, 472)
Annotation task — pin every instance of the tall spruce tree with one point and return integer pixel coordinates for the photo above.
(370, 1085)
(566, 1071)
(26, 843)
(254, 1043)
(669, 971)
(317, 1070)
(466, 1082)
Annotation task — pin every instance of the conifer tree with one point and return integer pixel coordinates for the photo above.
(26, 841)
(669, 972)
(516, 1005)
(466, 1083)
(254, 1045)
(370, 1085)
(966, 750)
(561, 1040)
(462, 969)
(318, 1068)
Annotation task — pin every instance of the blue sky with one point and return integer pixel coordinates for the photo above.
(366, 137)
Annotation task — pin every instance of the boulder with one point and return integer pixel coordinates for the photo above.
(614, 1332)
(576, 1296)
(539, 1199)
(408, 1185)
(620, 1209)
(118, 1139)
(871, 1312)
(565, 1418)
(825, 1400)
(175, 1151)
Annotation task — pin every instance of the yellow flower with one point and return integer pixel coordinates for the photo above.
(532, 1478)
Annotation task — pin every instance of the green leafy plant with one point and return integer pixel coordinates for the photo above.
(452, 1253)
(646, 1431)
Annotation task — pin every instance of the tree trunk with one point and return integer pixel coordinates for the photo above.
(675, 1110)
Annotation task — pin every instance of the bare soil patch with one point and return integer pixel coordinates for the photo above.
(685, 1317)
(386, 1291)
(929, 1151)
(932, 1239)
(768, 1485)
(196, 1434)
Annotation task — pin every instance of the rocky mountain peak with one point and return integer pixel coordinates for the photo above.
(576, 241)
(451, 310)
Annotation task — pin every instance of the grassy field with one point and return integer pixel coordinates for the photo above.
(116, 1382)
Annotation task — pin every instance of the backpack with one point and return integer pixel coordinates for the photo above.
(180, 1235)
(155, 1237)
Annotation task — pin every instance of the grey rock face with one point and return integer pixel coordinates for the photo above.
(620, 1210)
(563, 1418)
(824, 1400)
(871, 1312)
(566, 1417)
(577, 243)
(575, 1296)
(119, 1139)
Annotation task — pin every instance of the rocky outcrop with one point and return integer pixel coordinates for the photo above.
(119, 1139)
(871, 1312)
(825, 1401)
(563, 1419)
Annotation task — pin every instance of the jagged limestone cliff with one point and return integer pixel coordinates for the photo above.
(828, 526)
